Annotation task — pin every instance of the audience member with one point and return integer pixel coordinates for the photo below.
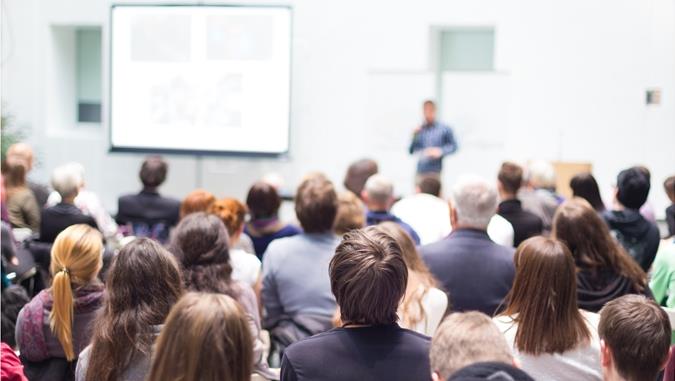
(351, 213)
(22, 207)
(424, 305)
(525, 224)
(639, 236)
(199, 200)
(551, 337)
(263, 203)
(200, 242)
(635, 335)
(604, 270)
(476, 272)
(23, 152)
(148, 214)
(466, 338)
(425, 211)
(55, 326)
(669, 186)
(537, 195)
(296, 289)
(66, 181)
(205, 337)
(88, 202)
(358, 173)
(142, 285)
(10, 365)
(492, 371)
(368, 277)
(378, 196)
(13, 299)
(245, 266)
(584, 186)
(662, 277)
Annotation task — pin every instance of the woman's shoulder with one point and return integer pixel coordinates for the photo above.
(436, 297)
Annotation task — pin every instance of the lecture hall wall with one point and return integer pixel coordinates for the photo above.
(569, 84)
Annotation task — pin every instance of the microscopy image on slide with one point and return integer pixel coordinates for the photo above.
(160, 38)
(214, 104)
(239, 37)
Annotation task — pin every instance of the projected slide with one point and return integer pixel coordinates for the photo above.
(200, 78)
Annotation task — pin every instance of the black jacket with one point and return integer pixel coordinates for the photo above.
(637, 235)
(525, 224)
(148, 214)
(57, 218)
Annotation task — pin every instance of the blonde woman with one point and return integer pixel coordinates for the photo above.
(205, 338)
(51, 345)
(424, 304)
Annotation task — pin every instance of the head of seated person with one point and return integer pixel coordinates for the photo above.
(378, 193)
(316, 205)
(350, 213)
(669, 187)
(14, 172)
(153, 173)
(233, 214)
(473, 203)
(198, 200)
(429, 184)
(509, 180)
(205, 337)
(142, 285)
(263, 202)
(67, 181)
(466, 338)
(368, 278)
(635, 334)
(358, 173)
(541, 175)
(632, 187)
(585, 186)
(22, 152)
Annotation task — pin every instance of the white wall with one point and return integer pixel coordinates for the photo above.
(569, 85)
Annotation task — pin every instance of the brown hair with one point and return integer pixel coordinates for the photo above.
(411, 310)
(669, 187)
(637, 332)
(142, 285)
(511, 177)
(316, 205)
(232, 212)
(467, 338)
(200, 242)
(544, 295)
(351, 214)
(206, 337)
(198, 200)
(368, 277)
(358, 173)
(263, 201)
(76, 260)
(429, 184)
(587, 236)
(153, 171)
(14, 172)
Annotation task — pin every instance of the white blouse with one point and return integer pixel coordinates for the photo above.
(581, 363)
(434, 304)
(245, 267)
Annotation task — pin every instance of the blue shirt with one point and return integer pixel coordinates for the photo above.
(433, 135)
(374, 218)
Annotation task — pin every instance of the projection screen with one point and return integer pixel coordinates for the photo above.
(198, 78)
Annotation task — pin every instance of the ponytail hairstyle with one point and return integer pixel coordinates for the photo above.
(76, 259)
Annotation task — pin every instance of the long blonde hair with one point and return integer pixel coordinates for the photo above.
(76, 260)
(420, 280)
(206, 337)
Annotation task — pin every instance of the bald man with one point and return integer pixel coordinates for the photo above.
(24, 153)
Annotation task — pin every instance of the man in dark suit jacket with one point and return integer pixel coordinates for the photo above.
(476, 272)
(525, 224)
(148, 214)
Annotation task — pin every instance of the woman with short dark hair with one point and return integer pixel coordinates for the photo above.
(142, 285)
(263, 203)
(551, 337)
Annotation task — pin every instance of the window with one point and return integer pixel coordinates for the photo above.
(467, 49)
(88, 74)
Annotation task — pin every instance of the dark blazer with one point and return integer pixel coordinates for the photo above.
(57, 218)
(148, 214)
(525, 224)
(476, 272)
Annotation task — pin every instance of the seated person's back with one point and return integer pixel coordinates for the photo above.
(476, 272)
(369, 345)
(378, 195)
(148, 214)
(58, 217)
(525, 224)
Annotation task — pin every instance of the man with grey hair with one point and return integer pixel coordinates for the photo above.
(378, 195)
(537, 194)
(66, 180)
(475, 271)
